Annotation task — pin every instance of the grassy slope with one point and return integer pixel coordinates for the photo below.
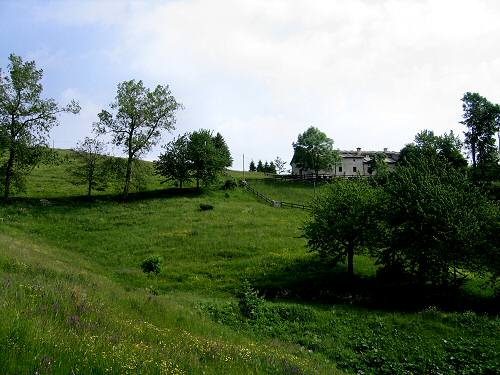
(73, 296)
(301, 192)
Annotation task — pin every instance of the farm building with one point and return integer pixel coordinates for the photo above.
(353, 163)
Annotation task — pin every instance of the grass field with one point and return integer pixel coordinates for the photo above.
(74, 298)
(300, 192)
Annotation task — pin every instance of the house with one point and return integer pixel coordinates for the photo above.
(353, 163)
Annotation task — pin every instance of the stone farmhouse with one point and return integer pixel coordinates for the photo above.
(353, 163)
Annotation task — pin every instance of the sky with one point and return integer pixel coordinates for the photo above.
(368, 73)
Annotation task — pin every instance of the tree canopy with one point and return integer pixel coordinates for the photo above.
(343, 220)
(138, 119)
(25, 120)
(90, 168)
(482, 119)
(314, 150)
(427, 145)
(175, 163)
(197, 155)
(437, 221)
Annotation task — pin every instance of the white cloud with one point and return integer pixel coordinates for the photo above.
(73, 128)
(369, 73)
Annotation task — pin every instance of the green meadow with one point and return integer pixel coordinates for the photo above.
(300, 192)
(74, 300)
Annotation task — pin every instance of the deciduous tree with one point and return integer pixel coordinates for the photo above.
(138, 119)
(436, 221)
(482, 119)
(427, 145)
(314, 150)
(25, 119)
(343, 220)
(208, 156)
(280, 165)
(90, 154)
(174, 163)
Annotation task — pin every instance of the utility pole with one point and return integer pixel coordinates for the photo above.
(243, 167)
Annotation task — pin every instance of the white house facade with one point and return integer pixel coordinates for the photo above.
(352, 163)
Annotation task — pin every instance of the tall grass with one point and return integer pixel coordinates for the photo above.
(74, 297)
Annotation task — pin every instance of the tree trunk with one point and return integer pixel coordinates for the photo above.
(198, 183)
(91, 180)
(498, 143)
(9, 173)
(473, 152)
(350, 259)
(180, 184)
(127, 177)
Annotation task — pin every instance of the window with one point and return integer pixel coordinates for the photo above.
(354, 169)
(340, 169)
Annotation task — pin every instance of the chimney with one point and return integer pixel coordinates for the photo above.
(358, 150)
(385, 149)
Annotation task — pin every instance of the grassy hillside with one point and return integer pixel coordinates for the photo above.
(74, 298)
(300, 192)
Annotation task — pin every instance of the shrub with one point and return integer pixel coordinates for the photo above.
(229, 185)
(206, 207)
(152, 264)
(250, 302)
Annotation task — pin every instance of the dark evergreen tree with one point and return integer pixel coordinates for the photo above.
(260, 166)
(223, 151)
(272, 168)
(252, 167)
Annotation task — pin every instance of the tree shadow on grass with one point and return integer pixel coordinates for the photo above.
(317, 281)
(77, 200)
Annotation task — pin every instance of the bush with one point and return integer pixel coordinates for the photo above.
(229, 185)
(206, 207)
(152, 264)
(250, 302)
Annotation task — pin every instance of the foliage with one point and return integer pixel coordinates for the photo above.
(115, 170)
(206, 207)
(267, 167)
(25, 121)
(437, 221)
(252, 167)
(342, 220)
(90, 169)
(280, 165)
(428, 145)
(73, 298)
(229, 185)
(250, 302)
(260, 166)
(174, 163)
(378, 167)
(152, 264)
(208, 156)
(139, 118)
(314, 150)
(223, 153)
(482, 119)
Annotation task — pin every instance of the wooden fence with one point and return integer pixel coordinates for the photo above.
(274, 203)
